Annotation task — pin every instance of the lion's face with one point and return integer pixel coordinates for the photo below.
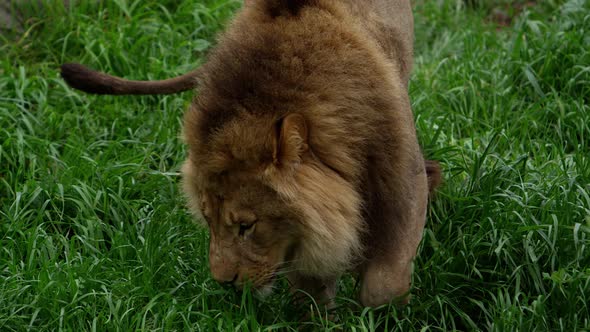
(252, 233)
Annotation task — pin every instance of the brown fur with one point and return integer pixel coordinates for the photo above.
(302, 148)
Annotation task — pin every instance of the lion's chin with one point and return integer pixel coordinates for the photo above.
(265, 290)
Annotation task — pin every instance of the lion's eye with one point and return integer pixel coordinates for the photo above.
(244, 228)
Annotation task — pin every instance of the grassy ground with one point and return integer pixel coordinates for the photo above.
(94, 235)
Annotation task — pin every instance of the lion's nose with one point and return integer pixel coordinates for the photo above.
(223, 277)
(223, 266)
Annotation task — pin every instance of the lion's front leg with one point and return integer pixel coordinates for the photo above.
(386, 276)
(386, 280)
(396, 213)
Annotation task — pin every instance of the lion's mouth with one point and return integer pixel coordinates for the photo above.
(262, 287)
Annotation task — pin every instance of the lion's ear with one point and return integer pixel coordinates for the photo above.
(291, 140)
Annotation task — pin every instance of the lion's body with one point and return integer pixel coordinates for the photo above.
(302, 147)
(363, 193)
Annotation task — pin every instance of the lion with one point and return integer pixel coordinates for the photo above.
(303, 158)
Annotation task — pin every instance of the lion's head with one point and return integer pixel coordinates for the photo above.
(268, 203)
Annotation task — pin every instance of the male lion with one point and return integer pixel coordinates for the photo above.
(303, 154)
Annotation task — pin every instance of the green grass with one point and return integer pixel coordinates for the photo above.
(93, 230)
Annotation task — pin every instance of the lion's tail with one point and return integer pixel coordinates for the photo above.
(83, 78)
(434, 174)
